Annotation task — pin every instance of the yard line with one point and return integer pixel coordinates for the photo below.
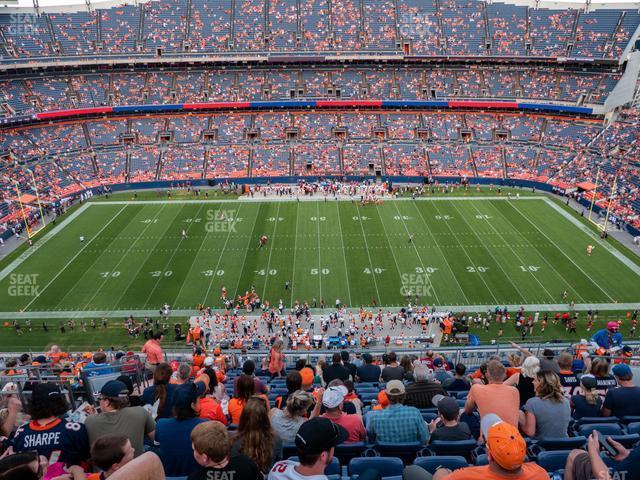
(366, 244)
(344, 255)
(417, 252)
(544, 258)
(204, 301)
(518, 256)
(120, 261)
(524, 299)
(74, 257)
(266, 273)
(295, 250)
(435, 242)
(319, 261)
(246, 252)
(561, 251)
(173, 254)
(468, 257)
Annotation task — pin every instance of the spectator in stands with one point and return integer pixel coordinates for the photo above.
(249, 368)
(625, 399)
(347, 364)
(336, 370)
(255, 437)
(215, 386)
(495, 397)
(161, 390)
(506, 451)
(604, 380)
(368, 372)
(546, 361)
(13, 408)
(293, 382)
(447, 426)
(393, 371)
(118, 417)
(398, 423)
(212, 450)
(548, 413)
(440, 373)
(134, 400)
(276, 359)
(586, 402)
(333, 401)
(182, 375)
(457, 383)
(98, 365)
(407, 364)
(208, 407)
(241, 395)
(287, 421)
(588, 465)
(109, 453)
(421, 392)
(523, 380)
(568, 380)
(31, 466)
(173, 434)
(315, 443)
(153, 350)
(48, 431)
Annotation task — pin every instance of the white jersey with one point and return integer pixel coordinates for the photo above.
(285, 470)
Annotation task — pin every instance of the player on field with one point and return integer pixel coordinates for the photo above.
(184, 233)
(81, 239)
(589, 250)
(411, 238)
(263, 241)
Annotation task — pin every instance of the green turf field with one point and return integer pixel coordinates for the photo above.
(466, 252)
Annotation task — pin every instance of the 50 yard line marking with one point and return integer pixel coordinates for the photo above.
(373, 273)
(73, 258)
(246, 252)
(266, 272)
(344, 255)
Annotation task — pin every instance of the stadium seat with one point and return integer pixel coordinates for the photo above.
(550, 443)
(347, 451)
(406, 451)
(429, 417)
(461, 448)
(629, 419)
(289, 450)
(388, 467)
(628, 441)
(333, 470)
(603, 428)
(633, 428)
(431, 463)
(482, 459)
(552, 461)
(586, 420)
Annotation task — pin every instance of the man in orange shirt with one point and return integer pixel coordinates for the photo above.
(506, 450)
(153, 350)
(495, 397)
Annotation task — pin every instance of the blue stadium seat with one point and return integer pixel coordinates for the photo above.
(628, 441)
(176, 478)
(630, 419)
(386, 466)
(633, 428)
(347, 451)
(289, 450)
(451, 462)
(406, 451)
(333, 470)
(461, 448)
(428, 417)
(603, 428)
(586, 420)
(482, 459)
(552, 461)
(551, 443)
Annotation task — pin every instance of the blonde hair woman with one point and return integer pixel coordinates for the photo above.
(523, 380)
(286, 422)
(548, 413)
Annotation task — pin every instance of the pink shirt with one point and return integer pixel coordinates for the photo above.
(154, 351)
(352, 424)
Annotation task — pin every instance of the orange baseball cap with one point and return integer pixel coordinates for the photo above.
(504, 442)
(307, 376)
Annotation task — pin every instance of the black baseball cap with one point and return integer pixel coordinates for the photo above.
(44, 392)
(188, 393)
(114, 389)
(447, 406)
(318, 435)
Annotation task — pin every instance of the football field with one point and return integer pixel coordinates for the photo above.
(465, 252)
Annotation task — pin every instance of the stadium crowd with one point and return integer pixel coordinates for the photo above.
(122, 415)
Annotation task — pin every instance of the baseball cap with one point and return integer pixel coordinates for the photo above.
(395, 387)
(188, 393)
(612, 325)
(43, 392)
(437, 362)
(504, 442)
(621, 370)
(114, 388)
(588, 381)
(447, 406)
(208, 362)
(334, 396)
(307, 376)
(318, 435)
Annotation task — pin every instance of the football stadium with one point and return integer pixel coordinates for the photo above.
(319, 239)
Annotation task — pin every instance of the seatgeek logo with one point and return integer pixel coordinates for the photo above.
(23, 285)
(416, 285)
(221, 221)
(415, 25)
(22, 24)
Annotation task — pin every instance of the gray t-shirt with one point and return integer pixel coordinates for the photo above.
(134, 422)
(285, 426)
(552, 418)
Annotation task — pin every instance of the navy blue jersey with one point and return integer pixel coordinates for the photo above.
(61, 437)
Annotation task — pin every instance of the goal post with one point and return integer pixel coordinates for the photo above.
(612, 194)
(24, 206)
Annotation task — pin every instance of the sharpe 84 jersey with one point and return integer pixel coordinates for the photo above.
(66, 440)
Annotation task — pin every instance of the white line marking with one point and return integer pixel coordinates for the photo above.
(266, 273)
(366, 244)
(295, 250)
(344, 255)
(319, 260)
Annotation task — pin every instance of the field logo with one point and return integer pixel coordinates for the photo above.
(415, 25)
(416, 285)
(23, 285)
(22, 24)
(221, 221)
